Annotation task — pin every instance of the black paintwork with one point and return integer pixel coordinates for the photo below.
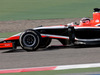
(81, 33)
(87, 33)
(62, 32)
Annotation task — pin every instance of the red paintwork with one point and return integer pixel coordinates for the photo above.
(56, 37)
(6, 45)
(43, 36)
(92, 23)
(12, 38)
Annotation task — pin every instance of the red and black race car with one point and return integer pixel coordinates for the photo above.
(85, 33)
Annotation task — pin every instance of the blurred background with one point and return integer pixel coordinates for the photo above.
(46, 9)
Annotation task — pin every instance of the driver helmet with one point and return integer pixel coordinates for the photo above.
(85, 20)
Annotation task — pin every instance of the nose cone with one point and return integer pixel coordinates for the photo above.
(14, 37)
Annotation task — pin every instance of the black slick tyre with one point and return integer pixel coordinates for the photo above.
(30, 40)
(45, 42)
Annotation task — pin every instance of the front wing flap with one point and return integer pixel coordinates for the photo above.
(6, 45)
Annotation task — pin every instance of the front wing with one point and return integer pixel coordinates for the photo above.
(6, 45)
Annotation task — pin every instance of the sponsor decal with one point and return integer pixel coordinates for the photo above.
(97, 21)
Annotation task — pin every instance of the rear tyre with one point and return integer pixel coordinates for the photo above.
(45, 42)
(30, 40)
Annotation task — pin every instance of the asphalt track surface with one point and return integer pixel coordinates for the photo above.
(51, 56)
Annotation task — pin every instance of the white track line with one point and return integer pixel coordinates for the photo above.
(91, 65)
(62, 67)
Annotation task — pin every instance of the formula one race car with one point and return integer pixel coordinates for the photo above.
(85, 33)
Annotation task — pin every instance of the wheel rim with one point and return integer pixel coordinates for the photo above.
(29, 40)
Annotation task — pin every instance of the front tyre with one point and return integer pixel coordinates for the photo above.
(30, 40)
